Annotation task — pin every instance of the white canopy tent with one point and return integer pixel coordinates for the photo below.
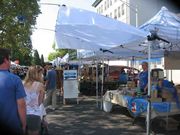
(82, 29)
(164, 26)
(167, 26)
(137, 50)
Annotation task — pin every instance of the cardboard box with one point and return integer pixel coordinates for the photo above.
(156, 99)
(154, 93)
(166, 94)
(131, 84)
(178, 88)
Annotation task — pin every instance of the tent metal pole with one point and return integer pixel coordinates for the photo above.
(97, 97)
(108, 70)
(171, 69)
(102, 89)
(149, 91)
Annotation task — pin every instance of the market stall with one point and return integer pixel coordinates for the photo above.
(138, 106)
(82, 34)
(165, 98)
(82, 29)
(113, 77)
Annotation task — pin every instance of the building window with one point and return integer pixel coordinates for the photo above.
(115, 14)
(122, 8)
(101, 8)
(119, 12)
(110, 2)
(111, 15)
(105, 5)
(115, 1)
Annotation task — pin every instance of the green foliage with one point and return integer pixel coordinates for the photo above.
(16, 21)
(54, 55)
(54, 46)
(61, 53)
(36, 58)
(72, 54)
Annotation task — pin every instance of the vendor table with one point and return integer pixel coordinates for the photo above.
(138, 106)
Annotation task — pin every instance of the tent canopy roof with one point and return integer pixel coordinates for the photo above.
(82, 29)
(166, 24)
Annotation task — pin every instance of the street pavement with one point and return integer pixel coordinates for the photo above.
(86, 119)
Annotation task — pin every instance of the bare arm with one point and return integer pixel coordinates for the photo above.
(146, 89)
(41, 97)
(46, 84)
(41, 93)
(21, 104)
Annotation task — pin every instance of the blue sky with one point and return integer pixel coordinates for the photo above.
(42, 39)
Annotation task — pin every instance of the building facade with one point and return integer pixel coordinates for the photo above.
(134, 12)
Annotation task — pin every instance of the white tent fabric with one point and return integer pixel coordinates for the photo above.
(164, 25)
(57, 61)
(82, 29)
(65, 58)
(167, 26)
(137, 50)
(13, 64)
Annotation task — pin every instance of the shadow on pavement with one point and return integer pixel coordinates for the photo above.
(85, 119)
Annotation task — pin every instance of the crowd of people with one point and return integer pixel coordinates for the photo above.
(19, 71)
(23, 102)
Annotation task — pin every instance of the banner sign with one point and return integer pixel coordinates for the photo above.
(70, 74)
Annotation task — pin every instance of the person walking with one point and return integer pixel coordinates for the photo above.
(34, 87)
(50, 85)
(12, 102)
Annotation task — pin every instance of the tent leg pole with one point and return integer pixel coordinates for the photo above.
(102, 89)
(149, 91)
(97, 97)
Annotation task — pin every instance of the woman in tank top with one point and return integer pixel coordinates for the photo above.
(34, 88)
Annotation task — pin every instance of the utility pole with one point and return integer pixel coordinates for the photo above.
(133, 8)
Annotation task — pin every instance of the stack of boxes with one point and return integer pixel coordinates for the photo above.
(156, 74)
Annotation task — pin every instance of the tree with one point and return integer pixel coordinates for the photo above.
(36, 58)
(42, 60)
(61, 53)
(16, 21)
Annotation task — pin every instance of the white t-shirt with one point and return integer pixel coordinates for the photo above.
(32, 95)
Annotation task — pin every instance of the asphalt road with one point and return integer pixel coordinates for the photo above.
(86, 119)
